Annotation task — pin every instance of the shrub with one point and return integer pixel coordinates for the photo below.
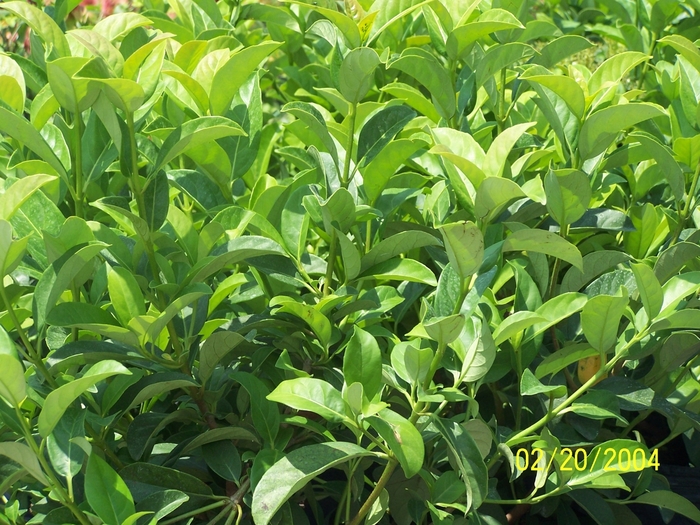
(402, 261)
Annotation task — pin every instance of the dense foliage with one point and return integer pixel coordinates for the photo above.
(348, 262)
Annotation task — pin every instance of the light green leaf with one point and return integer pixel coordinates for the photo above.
(541, 241)
(294, 471)
(403, 439)
(125, 293)
(214, 349)
(568, 195)
(356, 74)
(465, 247)
(42, 24)
(60, 399)
(23, 455)
(601, 128)
(397, 269)
(600, 319)
(313, 395)
(107, 493)
(235, 72)
(649, 289)
(362, 362)
(13, 387)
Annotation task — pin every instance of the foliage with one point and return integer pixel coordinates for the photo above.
(339, 262)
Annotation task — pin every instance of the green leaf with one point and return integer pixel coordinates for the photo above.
(531, 386)
(20, 192)
(600, 319)
(13, 388)
(356, 73)
(594, 264)
(42, 24)
(22, 131)
(162, 503)
(601, 128)
(377, 173)
(313, 395)
(412, 97)
(107, 493)
(465, 453)
(566, 87)
(614, 69)
(599, 461)
(465, 247)
(397, 244)
(514, 324)
(230, 77)
(493, 195)
(117, 26)
(266, 417)
(397, 269)
(489, 22)
(362, 362)
(314, 120)
(559, 360)
(497, 155)
(125, 293)
(318, 322)
(66, 456)
(379, 130)
(194, 133)
(13, 88)
(425, 68)
(24, 455)
(649, 289)
(403, 439)
(214, 349)
(294, 471)
(410, 362)
(685, 47)
(666, 499)
(541, 241)
(58, 401)
(568, 195)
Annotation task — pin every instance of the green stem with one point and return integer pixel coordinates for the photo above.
(500, 118)
(376, 492)
(55, 484)
(330, 264)
(34, 356)
(683, 216)
(349, 147)
(551, 414)
(195, 512)
(78, 165)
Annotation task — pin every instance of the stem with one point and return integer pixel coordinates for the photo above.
(645, 68)
(500, 118)
(192, 513)
(34, 356)
(368, 237)
(78, 165)
(54, 482)
(331, 264)
(376, 492)
(349, 146)
(563, 233)
(683, 216)
(135, 181)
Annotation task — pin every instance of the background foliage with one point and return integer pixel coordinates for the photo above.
(336, 262)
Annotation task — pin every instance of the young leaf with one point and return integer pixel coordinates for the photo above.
(357, 73)
(541, 241)
(465, 247)
(403, 439)
(313, 395)
(600, 319)
(362, 362)
(13, 388)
